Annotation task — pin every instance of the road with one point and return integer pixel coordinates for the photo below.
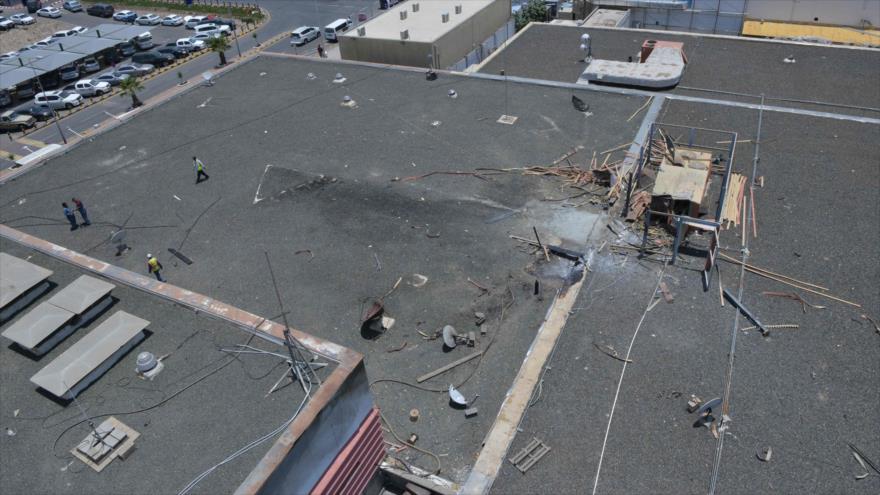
(285, 15)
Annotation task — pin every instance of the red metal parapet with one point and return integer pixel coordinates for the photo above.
(355, 465)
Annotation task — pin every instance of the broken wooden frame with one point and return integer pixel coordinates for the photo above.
(712, 226)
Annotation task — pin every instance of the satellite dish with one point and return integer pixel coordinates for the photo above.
(456, 397)
(208, 76)
(449, 336)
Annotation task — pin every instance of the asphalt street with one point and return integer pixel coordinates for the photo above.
(285, 15)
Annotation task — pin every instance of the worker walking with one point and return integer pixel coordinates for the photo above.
(320, 50)
(80, 207)
(155, 267)
(70, 216)
(200, 170)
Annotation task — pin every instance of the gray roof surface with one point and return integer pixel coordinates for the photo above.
(183, 431)
(337, 244)
(839, 75)
(804, 393)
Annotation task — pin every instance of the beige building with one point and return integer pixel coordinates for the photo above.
(425, 32)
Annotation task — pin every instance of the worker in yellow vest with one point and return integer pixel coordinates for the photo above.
(200, 170)
(154, 267)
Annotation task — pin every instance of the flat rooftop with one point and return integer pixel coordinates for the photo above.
(338, 204)
(426, 25)
(838, 79)
(203, 406)
(800, 392)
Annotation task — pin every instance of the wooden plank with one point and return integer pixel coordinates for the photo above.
(444, 369)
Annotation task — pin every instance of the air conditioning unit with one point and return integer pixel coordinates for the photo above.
(458, 9)
(402, 15)
(362, 31)
(415, 7)
(404, 35)
(445, 16)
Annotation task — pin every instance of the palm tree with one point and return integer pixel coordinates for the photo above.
(131, 86)
(220, 45)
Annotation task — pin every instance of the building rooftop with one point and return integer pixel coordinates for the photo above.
(837, 79)
(426, 25)
(331, 203)
(204, 405)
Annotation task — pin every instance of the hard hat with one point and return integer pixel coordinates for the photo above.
(149, 256)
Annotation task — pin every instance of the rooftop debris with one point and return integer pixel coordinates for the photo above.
(529, 455)
(794, 297)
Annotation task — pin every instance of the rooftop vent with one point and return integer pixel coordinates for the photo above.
(402, 15)
(415, 7)
(404, 35)
(458, 9)
(362, 31)
(445, 16)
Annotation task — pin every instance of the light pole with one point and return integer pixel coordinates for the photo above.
(40, 87)
(229, 13)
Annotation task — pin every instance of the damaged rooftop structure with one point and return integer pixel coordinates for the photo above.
(521, 279)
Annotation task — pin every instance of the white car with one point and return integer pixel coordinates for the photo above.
(6, 24)
(172, 20)
(65, 33)
(58, 99)
(22, 19)
(211, 28)
(125, 16)
(148, 20)
(190, 45)
(79, 29)
(45, 42)
(302, 35)
(191, 21)
(8, 55)
(89, 87)
(49, 12)
(134, 70)
(203, 38)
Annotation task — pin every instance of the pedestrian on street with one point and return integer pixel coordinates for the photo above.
(80, 207)
(320, 50)
(70, 216)
(154, 267)
(200, 170)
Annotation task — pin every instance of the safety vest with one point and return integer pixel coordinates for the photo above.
(199, 166)
(154, 264)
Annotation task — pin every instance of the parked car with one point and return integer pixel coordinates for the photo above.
(101, 10)
(24, 90)
(126, 49)
(189, 45)
(9, 55)
(173, 50)
(111, 78)
(6, 24)
(153, 58)
(14, 121)
(65, 33)
(191, 21)
(90, 87)
(58, 99)
(38, 112)
(90, 65)
(22, 19)
(302, 35)
(125, 16)
(49, 12)
(204, 37)
(211, 28)
(45, 42)
(69, 72)
(5, 98)
(222, 22)
(135, 70)
(148, 20)
(335, 28)
(79, 29)
(72, 6)
(172, 20)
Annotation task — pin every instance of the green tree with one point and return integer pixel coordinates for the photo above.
(534, 11)
(130, 87)
(220, 45)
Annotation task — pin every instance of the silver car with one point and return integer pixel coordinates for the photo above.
(135, 70)
(111, 78)
(148, 20)
(172, 20)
